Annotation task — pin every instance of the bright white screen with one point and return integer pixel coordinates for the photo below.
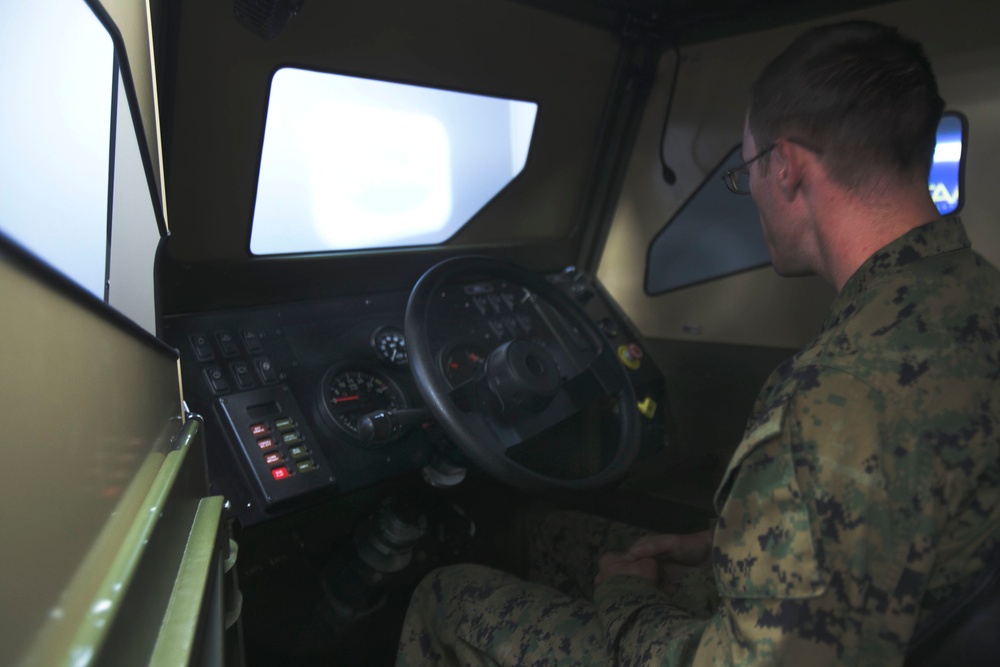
(56, 74)
(351, 163)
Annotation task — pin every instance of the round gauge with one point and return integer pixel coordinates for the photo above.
(390, 345)
(462, 362)
(351, 393)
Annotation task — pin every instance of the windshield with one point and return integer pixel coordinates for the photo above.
(350, 163)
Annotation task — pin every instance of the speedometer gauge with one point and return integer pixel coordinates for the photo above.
(349, 393)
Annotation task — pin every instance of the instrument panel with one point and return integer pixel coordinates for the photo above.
(282, 389)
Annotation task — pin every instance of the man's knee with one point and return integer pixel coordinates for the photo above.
(445, 587)
(461, 602)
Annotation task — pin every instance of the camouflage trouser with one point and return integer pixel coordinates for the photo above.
(473, 615)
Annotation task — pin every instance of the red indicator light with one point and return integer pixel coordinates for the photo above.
(280, 473)
(259, 428)
(265, 443)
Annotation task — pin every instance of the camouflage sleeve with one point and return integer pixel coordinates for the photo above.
(807, 560)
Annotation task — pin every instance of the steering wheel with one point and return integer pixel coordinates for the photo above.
(500, 355)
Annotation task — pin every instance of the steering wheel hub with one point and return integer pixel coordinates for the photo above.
(522, 376)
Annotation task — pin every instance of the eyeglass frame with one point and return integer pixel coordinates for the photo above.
(729, 177)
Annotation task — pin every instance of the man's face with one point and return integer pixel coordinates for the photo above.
(783, 234)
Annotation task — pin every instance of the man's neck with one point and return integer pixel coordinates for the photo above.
(852, 229)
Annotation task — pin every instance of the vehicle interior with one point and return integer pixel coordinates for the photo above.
(370, 282)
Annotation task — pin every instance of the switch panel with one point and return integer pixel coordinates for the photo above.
(276, 444)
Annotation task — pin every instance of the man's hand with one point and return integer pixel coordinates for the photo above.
(689, 550)
(613, 563)
(661, 560)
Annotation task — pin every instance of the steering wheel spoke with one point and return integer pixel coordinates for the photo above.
(502, 434)
(598, 379)
(468, 396)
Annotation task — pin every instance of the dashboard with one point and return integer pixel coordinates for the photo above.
(285, 389)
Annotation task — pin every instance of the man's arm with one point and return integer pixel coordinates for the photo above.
(812, 551)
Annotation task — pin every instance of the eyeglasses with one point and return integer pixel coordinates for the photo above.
(737, 179)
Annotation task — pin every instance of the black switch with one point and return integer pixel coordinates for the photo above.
(202, 347)
(266, 370)
(251, 340)
(608, 326)
(227, 344)
(241, 371)
(582, 293)
(216, 379)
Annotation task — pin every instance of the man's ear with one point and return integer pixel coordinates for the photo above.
(789, 162)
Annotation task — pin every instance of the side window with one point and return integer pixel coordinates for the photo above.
(716, 233)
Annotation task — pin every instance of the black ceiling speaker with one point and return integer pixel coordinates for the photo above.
(266, 18)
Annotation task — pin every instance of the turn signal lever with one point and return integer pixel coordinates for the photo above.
(383, 425)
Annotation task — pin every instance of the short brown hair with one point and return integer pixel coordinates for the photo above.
(860, 93)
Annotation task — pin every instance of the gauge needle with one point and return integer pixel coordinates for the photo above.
(343, 399)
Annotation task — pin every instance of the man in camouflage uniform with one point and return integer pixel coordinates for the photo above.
(866, 489)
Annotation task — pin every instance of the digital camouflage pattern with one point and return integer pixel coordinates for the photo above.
(472, 615)
(565, 547)
(865, 492)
